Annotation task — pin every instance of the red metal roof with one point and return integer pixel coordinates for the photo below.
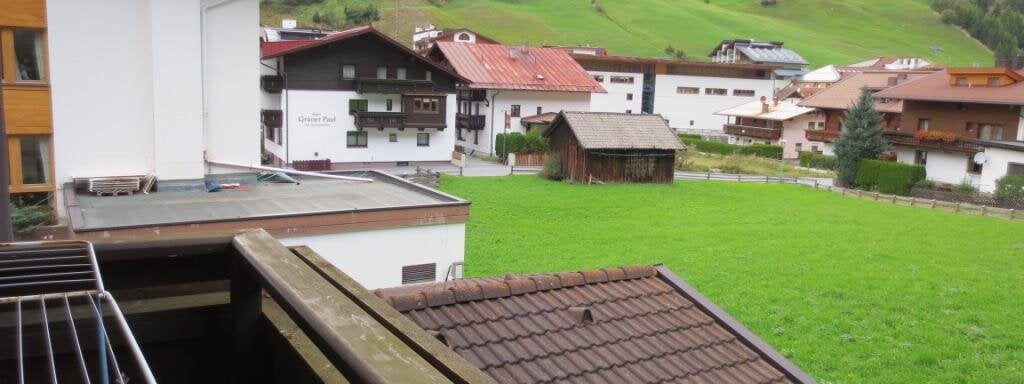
(272, 49)
(495, 66)
(269, 49)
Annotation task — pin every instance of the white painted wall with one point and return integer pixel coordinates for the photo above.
(615, 100)
(942, 166)
(997, 165)
(680, 109)
(528, 102)
(327, 140)
(375, 258)
(127, 88)
(1020, 124)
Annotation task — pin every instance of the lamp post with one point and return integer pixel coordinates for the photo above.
(782, 161)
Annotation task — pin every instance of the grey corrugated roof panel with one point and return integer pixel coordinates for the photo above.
(263, 200)
(609, 130)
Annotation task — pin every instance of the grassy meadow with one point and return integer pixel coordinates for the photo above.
(853, 291)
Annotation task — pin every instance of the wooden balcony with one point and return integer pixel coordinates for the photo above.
(472, 95)
(821, 136)
(908, 140)
(381, 120)
(393, 86)
(272, 83)
(272, 118)
(750, 131)
(470, 122)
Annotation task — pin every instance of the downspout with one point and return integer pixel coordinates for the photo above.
(202, 44)
(493, 106)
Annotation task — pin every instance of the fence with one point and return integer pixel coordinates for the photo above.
(826, 184)
(530, 159)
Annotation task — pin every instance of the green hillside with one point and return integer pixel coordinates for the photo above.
(823, 31)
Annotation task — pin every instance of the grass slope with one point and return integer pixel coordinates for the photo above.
(853, 291)
(824, 31)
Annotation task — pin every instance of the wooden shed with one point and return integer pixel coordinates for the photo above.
(614, 147)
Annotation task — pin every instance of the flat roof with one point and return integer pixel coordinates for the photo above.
(261, 200)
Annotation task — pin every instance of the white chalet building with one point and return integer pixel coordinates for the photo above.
(508, 84)
(356, 98)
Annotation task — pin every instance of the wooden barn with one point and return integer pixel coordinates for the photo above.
(606, 147)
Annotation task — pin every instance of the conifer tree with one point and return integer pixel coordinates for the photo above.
(861, 138)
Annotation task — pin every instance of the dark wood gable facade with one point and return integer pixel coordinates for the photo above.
(370, 63)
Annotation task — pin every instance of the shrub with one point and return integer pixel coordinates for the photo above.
(718, 147)
(816, 160)
(683, 136)
(761, 150)
(1010, 188)
(516, 142)
(888, 177)
(965, 188)
(552, 168)
(27, 219)
(925, 184)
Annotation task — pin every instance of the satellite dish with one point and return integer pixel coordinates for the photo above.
(980, 158)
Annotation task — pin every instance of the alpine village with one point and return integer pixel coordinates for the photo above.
(528, 191)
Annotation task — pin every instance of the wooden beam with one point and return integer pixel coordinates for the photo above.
(352, 339)
(303, 346)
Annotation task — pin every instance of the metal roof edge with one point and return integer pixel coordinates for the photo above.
(773, 357)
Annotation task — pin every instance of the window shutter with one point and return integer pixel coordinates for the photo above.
(419, 273)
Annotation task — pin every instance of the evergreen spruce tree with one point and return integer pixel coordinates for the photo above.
(861, 139)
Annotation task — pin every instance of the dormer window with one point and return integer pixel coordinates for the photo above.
(463, 36)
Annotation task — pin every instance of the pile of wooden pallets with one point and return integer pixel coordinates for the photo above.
(114, 186)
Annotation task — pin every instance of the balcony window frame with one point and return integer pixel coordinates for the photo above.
(14, 157)
(344, 75)
(9, 59)
(421, 105)
(354, 106)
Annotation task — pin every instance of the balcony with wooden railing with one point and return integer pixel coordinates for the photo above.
(821, 136)
(393, 86)
(948, 142)
(471, 122)
(752, 131)
(380, 120)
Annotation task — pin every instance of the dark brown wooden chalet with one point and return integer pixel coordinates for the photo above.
(613, 147)
(364, 60)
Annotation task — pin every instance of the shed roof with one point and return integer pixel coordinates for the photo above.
(844, 94)
(784, 110)
(762, 52)
(936, 87)
(496, 66)
(609, 130)
(615, 325)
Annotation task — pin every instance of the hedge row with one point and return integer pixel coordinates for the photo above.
(889, 177)
(516, 142)
(759, 150)
(816, 160)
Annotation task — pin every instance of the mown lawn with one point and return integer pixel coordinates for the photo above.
(853, 291)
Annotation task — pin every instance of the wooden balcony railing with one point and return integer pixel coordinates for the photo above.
(750, 131)
(380, 120)
(472, 95)
(908, 140)
(821, 136)
(371, 85)
(471, 122)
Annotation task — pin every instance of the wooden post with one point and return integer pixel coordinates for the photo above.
(709, 175)
(984, 210)
(933, 203)
(912, 200)
(246, 298)
(894, 199)
(739, 177)
(815, 183)
(957, 210)
(1012, 211)
(877, 195)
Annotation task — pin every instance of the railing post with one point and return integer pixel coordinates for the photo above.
(957, 210)
(709, 175)
(815, 183)
(1012, 211)
(912, 200)
(984, 210)
(894, 199)
(933, 203)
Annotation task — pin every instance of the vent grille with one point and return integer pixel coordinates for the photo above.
(419, 273)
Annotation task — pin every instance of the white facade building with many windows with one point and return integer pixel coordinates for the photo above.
(690, 102)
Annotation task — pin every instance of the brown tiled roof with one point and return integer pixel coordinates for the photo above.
(618, 325)
(935, 87)
(612, 130)
(844, 93)
(496, 66)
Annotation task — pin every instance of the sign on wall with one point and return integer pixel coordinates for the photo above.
(317, 119)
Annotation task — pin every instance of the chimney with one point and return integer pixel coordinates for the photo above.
(775, 101)
(764, 104)
(892, 81)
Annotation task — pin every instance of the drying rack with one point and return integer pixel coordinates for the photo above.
(57, 322)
